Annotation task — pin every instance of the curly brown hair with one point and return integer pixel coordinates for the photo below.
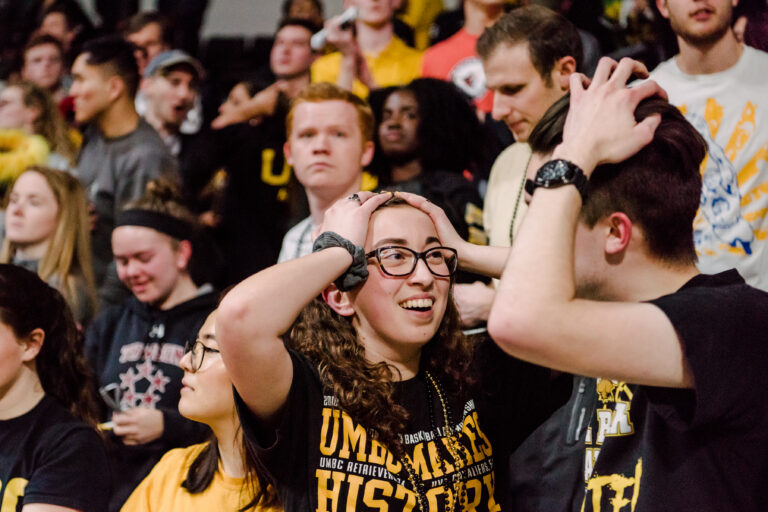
(365, 389)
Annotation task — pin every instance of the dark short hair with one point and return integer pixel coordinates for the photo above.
(659, 187)
(298, 22)
(140, 20)
(114, 54)
(549, 35)
(40, 39)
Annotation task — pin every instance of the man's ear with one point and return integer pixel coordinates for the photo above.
(115, 87)
(662, 6)
(619, 233)
(368, 149)
(32, 342)
(562, 71)
(338, 300)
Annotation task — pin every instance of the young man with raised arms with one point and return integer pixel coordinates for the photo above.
(602, 282)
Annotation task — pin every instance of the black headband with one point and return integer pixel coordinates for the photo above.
(162, 222)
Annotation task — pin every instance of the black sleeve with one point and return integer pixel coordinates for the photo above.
(284, 448)
(722, 333)
(74, 474)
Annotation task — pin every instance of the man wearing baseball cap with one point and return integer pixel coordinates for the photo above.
(170, 85)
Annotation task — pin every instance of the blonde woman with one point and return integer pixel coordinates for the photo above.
(28, 107)
(47, 231)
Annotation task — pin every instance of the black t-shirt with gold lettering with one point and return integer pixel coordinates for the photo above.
(704, 449)
(323, 460)
(48, 456)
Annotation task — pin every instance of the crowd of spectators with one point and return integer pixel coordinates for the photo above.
(143, 170)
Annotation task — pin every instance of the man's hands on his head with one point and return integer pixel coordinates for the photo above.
(601, 127)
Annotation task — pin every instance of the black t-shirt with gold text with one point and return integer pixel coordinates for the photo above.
(48, 456)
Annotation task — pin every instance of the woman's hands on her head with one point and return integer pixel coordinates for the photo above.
(445, 230)
(349, 217)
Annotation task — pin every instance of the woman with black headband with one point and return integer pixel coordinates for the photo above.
(136, 347)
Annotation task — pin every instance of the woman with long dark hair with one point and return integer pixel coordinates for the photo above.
(220, 474)
(374, 400)
(50, 451)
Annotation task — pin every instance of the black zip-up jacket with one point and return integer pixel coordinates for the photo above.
(139, 348)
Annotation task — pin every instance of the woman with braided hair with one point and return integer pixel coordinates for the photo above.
(51, 457)
(369, 397)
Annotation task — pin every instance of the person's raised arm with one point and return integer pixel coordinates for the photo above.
(536, 315)
(253, 316)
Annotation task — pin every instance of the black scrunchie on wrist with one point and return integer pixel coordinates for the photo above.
(357, 272)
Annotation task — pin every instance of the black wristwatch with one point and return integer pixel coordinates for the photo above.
(557, 173)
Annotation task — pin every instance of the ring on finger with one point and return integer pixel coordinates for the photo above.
(355, 197)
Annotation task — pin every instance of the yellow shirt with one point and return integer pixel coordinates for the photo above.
(161, 490)
(397, 64)
(420, 14)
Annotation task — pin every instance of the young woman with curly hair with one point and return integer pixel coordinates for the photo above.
(52, 458)
(373, 400)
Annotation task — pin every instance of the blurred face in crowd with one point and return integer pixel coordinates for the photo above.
(149, 42)
(206, 395)
(149, 263)
(43, 66)
(326, 147)
(13, 112)
(171, 94)
(698, 23)
(398, 131)
(521, 94)
(32, 213)
(91, 90)
(55, 24)
(237, 96)
(291, 54)
(375, 12)
(305, 10)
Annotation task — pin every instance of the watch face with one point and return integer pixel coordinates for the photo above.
(553, 171)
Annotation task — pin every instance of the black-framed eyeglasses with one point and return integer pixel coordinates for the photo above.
(398, 261)
(197, 351)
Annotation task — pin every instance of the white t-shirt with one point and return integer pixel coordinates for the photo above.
(730, 110)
